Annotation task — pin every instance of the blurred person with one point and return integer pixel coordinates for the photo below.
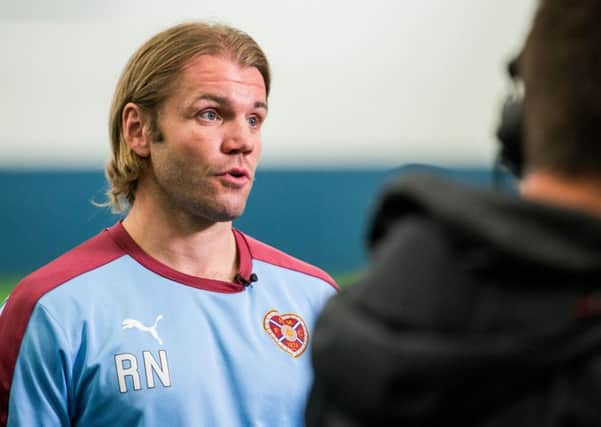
(481, 308)
(170, 317)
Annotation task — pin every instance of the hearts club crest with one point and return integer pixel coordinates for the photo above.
(288, 330)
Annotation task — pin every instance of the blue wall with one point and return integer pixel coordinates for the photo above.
(317, 215)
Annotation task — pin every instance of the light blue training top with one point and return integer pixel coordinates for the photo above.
(108, 336)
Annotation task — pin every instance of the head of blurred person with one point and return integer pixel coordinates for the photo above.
(560, 66)
(161, 75)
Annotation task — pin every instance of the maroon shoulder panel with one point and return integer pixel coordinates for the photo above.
(91, 254)
(271, 255)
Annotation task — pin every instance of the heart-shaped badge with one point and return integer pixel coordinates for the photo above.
(288, 330)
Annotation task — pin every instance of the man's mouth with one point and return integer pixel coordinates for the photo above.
(237, 173)
(235, 176)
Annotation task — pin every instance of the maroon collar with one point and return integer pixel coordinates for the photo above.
(121, 237)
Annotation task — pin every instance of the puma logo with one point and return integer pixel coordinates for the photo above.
(152, 330)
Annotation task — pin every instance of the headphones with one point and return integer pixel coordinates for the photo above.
(511, 126)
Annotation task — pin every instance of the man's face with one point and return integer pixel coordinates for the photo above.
(211, 127)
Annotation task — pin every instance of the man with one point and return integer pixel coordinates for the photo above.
(482, 309)
(170, 317)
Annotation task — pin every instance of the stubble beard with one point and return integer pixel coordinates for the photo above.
(198, 196)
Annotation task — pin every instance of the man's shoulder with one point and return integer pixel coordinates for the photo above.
(268, 254)
(89, 255)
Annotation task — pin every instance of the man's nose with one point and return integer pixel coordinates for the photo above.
(238, 137)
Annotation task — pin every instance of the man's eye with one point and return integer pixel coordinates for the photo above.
(209, 115)
(253, 121)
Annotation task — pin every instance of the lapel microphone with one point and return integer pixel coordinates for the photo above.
(246, 282)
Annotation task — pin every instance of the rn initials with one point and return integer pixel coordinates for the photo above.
(127, 366)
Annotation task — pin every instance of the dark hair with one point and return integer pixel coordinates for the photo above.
(561, 69)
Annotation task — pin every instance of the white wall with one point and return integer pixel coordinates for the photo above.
(379, 82)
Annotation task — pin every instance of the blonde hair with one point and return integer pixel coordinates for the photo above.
(150, 77)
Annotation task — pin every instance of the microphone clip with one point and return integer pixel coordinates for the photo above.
(246, 282)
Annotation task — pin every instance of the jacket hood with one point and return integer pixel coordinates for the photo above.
(522, 229)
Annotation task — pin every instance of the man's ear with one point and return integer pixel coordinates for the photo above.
(136, 129)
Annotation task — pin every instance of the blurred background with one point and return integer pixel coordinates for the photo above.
(360, 90)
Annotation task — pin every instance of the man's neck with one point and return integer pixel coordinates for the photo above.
(201, 250)
(582, 194)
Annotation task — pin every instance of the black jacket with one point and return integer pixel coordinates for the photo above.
(478, 309)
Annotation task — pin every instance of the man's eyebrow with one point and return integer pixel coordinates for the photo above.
(261, 104)
(214, 98)
(224, 101)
